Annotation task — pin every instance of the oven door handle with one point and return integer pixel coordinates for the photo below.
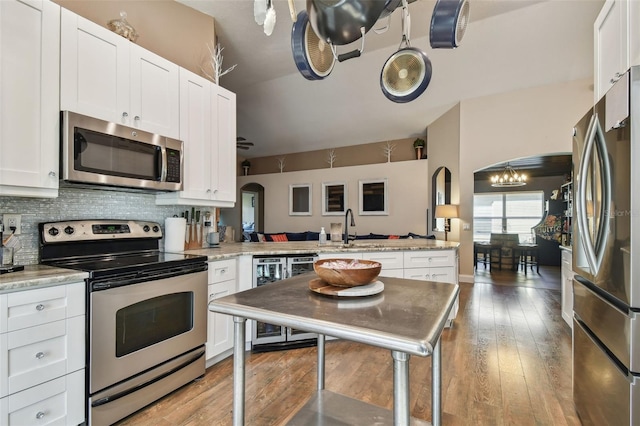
(116, 396)
(139, 277)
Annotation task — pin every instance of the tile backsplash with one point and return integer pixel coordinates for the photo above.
(80, 203)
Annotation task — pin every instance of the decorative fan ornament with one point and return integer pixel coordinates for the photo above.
(448, 23)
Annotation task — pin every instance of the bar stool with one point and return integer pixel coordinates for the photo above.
(488, 251)
(527, 256)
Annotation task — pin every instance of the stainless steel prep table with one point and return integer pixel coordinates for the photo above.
(407, 318)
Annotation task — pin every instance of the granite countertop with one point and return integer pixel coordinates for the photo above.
(230, 250)
(38, 276)
(35, 276)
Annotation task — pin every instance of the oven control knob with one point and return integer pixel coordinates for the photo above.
(53, 231)
(146, 228)
(69, 230)
(156, 228)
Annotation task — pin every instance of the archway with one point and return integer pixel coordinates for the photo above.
(252, 208)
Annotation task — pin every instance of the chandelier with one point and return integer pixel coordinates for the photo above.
(508, 177)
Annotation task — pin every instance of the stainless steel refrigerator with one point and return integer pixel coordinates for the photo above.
(606, 258)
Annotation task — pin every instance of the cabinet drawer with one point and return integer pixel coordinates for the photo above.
(222, 270)
(428, 259)
(388, 259)
(58, 401)
(35, 307)
(31, 356)
(443, 274)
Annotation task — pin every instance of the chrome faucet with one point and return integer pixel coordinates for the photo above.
(346, 225)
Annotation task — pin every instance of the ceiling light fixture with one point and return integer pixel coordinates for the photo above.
(508, 177)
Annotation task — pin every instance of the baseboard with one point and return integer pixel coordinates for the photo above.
(465, 278)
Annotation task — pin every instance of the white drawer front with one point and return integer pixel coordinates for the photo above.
(222, 270)
(56, 402)
(340, 255)
(35, 307)
(3, 313)
(429, 258)
(388, 259)
(442, 274)
(395, 273)
(45, 352)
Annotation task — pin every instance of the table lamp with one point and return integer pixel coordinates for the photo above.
(446, 212)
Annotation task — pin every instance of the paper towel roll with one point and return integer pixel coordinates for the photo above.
(174, 233)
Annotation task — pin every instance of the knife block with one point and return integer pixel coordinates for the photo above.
(193, 236)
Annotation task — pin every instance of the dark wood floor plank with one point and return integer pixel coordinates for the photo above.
(505, 361)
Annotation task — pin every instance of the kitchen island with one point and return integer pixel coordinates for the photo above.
(407, 318)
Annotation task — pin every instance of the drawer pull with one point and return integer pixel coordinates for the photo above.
(40, 355)
(39, 415)
(39, 307)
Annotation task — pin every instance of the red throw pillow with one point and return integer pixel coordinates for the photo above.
(279, 238)
(394, 237)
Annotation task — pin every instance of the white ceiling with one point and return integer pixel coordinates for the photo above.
(509, 45)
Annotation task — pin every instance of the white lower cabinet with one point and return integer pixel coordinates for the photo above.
(425, 265)
(56, 402)
(222, 282)
(392, 262)
(433, 265)
(567, 286)
(42, 356)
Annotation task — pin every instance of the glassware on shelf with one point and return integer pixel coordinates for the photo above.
(123, 28)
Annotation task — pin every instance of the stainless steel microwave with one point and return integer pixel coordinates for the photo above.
(99, 152)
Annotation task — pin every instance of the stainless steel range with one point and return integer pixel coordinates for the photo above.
(146, 311)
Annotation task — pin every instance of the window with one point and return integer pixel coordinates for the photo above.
(510, 212)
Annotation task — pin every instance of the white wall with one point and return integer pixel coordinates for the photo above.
(408, 183)
(502, 127)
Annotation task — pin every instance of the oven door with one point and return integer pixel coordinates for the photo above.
(138, 326)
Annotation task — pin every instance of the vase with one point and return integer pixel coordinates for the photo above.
(419, 152)
(246, 170)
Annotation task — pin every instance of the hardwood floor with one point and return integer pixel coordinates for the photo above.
(505, 361)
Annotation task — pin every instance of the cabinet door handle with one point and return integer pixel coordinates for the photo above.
(125, 114)
(39, 415)
(40, 355)
(137, 118)
(52, 174)
(39, 307)
(617, 76)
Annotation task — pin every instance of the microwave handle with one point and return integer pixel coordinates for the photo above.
(162, 164)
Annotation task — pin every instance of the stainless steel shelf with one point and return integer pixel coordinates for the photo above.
(328, 408)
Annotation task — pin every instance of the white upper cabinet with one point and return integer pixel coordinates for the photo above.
(616, 43)
(106, 76)
(223, 105)
(208, 130)
(29, 98)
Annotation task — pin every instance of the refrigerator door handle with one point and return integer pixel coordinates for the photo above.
(594, 245)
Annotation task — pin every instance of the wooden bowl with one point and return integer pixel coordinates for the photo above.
(347, 272)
